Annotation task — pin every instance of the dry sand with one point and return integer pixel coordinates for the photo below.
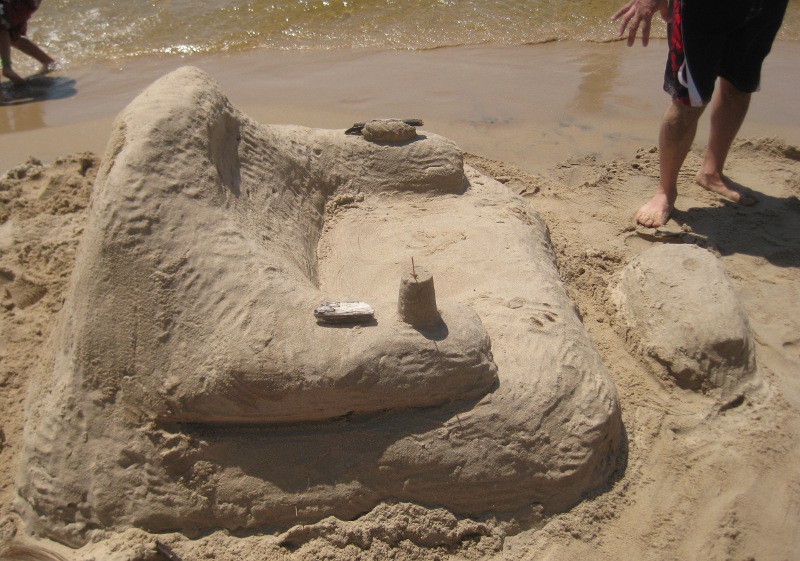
(703, 477)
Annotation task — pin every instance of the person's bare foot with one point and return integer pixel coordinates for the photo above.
(13, 77)
(724, 187)
(49, 67)
(656, 211)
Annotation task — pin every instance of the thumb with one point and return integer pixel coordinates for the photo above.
(666, 11)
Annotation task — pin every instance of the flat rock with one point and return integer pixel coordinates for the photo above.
(344, 312)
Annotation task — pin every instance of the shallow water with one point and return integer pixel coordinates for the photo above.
(86, 31)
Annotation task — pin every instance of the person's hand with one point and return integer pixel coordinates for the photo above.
(640, 12)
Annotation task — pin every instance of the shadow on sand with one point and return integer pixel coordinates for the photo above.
(39, 88)
(767, 229)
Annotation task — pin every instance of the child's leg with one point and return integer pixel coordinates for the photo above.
(5, 55)
(31, 49)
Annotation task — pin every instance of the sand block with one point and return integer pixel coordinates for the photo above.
(680, 310)
(416, 303)
(389, 124)
(186, 387)
(388, 130)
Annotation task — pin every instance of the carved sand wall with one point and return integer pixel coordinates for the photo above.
(188, 386)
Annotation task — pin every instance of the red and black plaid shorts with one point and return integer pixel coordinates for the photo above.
(719, 38)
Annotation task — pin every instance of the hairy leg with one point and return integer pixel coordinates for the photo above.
(728, 110)
(675, 138)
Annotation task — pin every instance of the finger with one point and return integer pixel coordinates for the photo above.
(624, 23)
(634, 29)
(621, 11)
(646, 33)
(666, 13)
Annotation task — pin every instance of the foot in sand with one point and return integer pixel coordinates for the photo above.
(725, 187)
(15, 78)
(49, 67)
(656, 211)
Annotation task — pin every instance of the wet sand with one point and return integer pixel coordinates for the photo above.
(532, 105)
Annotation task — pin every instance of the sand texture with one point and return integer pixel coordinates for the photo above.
(590, 390)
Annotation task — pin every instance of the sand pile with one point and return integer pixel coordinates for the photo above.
(187, 385)
(170, 285)
(680, 310)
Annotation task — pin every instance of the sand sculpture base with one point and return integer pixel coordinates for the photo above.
(188, 386)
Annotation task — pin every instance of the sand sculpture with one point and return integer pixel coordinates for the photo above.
(188, 386)
(681, 313)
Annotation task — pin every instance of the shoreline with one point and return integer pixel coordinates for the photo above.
(534, 106)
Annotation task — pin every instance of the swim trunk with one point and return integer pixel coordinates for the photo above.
(719, 38)
(14, 16)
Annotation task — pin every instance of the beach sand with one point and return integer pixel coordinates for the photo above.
(570, 127)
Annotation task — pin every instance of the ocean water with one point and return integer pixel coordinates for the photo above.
(86, 31)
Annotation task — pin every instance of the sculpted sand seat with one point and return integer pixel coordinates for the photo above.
(189, 387)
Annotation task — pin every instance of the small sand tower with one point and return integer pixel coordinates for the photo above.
(417, 302)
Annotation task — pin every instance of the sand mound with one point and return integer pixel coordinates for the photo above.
(187, 385)
(680, 310)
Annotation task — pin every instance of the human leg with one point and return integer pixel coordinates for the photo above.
(5, 56)
(678, 128)
(728, 110)
(739, 76)
(25, 45)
